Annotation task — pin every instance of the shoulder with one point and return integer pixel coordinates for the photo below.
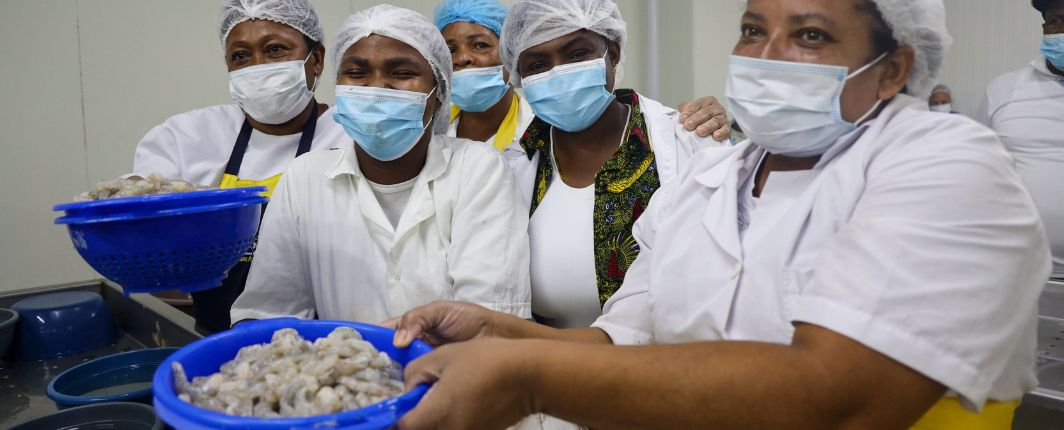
(1003, 85)
(218, 114)
(910, 132)
(468, 151)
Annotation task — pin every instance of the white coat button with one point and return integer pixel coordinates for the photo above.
(738, 269)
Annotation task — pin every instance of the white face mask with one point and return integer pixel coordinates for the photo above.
(791, 109)
(272, 93)
(945, 108)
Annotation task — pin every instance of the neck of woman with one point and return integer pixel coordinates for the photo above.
(480, 126)
(604, 134)
(396, 171)
(292, 126)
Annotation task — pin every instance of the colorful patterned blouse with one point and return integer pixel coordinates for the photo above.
(622, 191)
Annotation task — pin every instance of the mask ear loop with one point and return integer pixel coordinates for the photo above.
(879, 102)
(317, 78)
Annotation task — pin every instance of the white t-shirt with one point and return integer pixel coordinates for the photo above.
(562, 240)
(914, 236)
(195, 146)
(328, 250)
(1026, 109)
(393, 198)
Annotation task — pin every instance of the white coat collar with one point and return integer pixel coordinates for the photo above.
(439, 156)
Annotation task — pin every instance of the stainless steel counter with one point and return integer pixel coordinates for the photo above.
(1044, 407)
(146, 322)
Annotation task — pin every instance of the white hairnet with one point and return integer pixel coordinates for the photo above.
(408, 27)
(298, 14)
(532, 22)
(941, 88)
(922, 25)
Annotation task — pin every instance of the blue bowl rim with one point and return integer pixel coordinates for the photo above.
(158, 198)
(167, 400)
(67, 399)
(10, 320)
(190, 210)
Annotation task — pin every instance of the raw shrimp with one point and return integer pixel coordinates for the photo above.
(291, 377)
(153, 184)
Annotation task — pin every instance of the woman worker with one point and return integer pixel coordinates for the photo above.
(486, 108)
(275, 55)
(398, 216)
(860, 262)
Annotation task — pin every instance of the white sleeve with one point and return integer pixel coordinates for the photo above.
(626, 315)
(279, 283)
(488, 258)
(158, 152)
(940, 266)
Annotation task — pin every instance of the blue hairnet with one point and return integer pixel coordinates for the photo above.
(489, 13)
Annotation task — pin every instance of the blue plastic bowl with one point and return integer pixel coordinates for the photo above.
(185, 241)
(205, 357)
(124, 377)
(65, 323)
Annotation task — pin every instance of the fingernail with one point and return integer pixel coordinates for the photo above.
(401, 339)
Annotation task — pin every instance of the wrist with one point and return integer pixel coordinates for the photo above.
(528, 358)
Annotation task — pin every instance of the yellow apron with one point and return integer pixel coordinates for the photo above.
(948, 414)
(504, 136)
(211, 307)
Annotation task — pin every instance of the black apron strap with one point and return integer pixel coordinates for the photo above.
(242, 139)
(211, 307)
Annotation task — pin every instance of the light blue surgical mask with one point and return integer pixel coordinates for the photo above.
(386, 123)
(791, 109)
(571, 96)
(477, 90)
(1053, 49)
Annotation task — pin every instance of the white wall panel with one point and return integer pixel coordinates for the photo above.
(42, 148)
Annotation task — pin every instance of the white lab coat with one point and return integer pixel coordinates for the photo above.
(514, 153)
(916, 238)
(326, 249)
(195, 146)
(1026, 109)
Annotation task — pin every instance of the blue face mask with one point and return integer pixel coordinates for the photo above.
(386, 123)
(571, 96)
(477, 90)
(1053, 49)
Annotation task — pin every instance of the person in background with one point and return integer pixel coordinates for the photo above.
(858, 263)
(485, 106)
(401, 216)
(941, 100)
(275, 53)
(1026, 109)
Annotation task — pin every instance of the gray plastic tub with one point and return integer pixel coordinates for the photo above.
(8, 320)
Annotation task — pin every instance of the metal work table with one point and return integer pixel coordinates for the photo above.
(1043, 408)
(145, 322)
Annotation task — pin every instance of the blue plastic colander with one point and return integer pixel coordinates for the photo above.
(205, 356)
(185, 241)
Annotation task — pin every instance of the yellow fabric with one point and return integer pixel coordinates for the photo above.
(504, 136)
(230, 181)
(948, 414)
